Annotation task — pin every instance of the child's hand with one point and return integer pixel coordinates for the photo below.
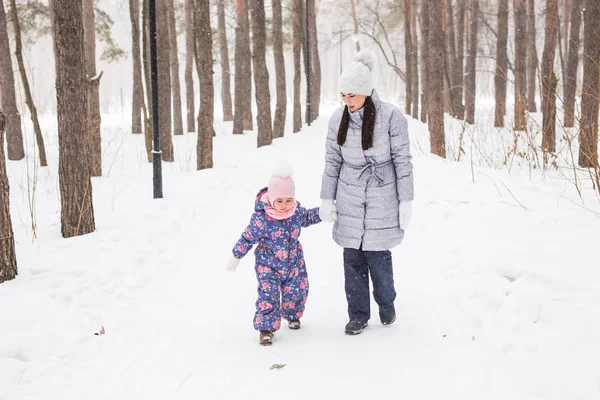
(327, 210)
(232, 264)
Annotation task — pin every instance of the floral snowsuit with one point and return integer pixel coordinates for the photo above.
(280, 267)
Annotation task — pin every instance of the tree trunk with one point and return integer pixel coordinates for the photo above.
(565, 19)
(94, 118)
(414, 58)
(174, 58)
(163, 55)
(225, 71)
(8, 100)
(307, 71)
(500, 75)
(204, 42)
(148, 123)
(261, 74)
(241, 49)
(137, 96)
(549, 79)
(520, 14)
(532, 59)
(407, 55)
(247, 81)
(280, 108)
(452, 63)
(572, 65)
(436, 79)
(8, 258)
(297, 47)
(354, 22)
(588, 137)
(190, 37)
(315, 60)
(460, 51)
(470, 81)
(74, 170)
(28, 97)
(424, 59)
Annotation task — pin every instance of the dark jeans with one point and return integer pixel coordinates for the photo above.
(358, 264)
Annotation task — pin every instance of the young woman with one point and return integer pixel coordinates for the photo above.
(368, 181)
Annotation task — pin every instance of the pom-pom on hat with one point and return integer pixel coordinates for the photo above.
(356, 77)
(281, 184)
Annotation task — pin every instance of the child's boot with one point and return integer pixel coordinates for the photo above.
(266, 338)
(294, 324)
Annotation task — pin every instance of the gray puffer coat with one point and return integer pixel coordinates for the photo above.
(368, 185)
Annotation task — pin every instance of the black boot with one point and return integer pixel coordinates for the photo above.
(355, 327)
(387, 315)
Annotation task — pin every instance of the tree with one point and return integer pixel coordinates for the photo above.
(280, 108)
(549, 79)
(374, 26)
(261, 74)
(8, 258)
(424, 59)
(94, 118)
(305, 52)
(104, 22)
(28, 97)
(532, 59)
(453, 69)
(470, 81)
(315, 61)
(174, 58)
(242, 50)
(459, 79)
(74, 170)
(225, 71)
(14, 135)
(297, 47)
(437, 56)
(501, 73)
(147, 76)
(414, 59)
(204, 44)
(247, 78)
(406, 6)
(163, 54)
(588, 136)
(520, 14)
(190, 38)
(572, 64)
(354, 22)
(146, 57)
(137, 97)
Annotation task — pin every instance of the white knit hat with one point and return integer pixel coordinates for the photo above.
(356, 78)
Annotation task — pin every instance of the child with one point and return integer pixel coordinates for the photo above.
(279, 261)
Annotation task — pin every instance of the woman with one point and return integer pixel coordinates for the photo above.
(368, 182)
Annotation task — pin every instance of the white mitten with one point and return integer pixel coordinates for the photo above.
(327, 210)
(405, 212)
(232, 264)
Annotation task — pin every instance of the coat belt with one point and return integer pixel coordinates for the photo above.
(374, 168)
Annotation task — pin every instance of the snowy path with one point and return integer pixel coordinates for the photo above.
(495, 301)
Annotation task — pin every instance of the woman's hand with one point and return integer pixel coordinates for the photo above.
(405, 212)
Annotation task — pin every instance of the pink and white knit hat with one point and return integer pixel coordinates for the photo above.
(281, 184)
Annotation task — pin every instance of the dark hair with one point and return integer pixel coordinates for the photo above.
(368, 125)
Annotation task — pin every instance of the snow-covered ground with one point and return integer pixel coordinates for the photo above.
(497, 279)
